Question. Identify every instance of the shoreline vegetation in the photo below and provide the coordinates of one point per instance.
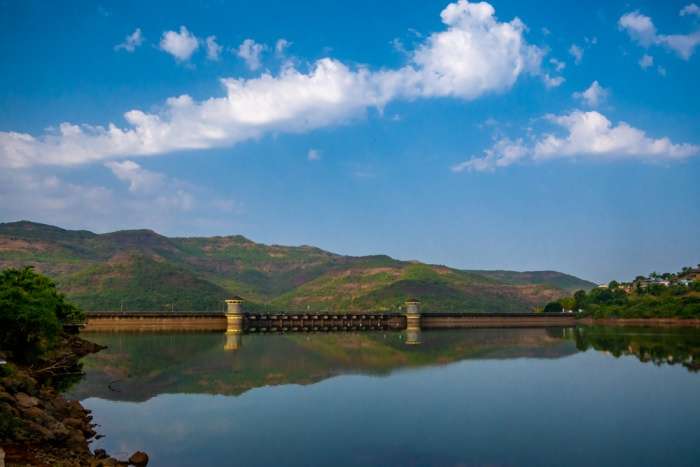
(39, 360)
(660, 297)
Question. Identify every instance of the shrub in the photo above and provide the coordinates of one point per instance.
(31, 312)
(553, 307)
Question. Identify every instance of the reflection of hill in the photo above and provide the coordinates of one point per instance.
(138, 366)
(661, 346)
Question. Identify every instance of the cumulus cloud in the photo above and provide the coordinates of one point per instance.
(641, 29)
(691, 9)
(131, 42)
(313, 155)
(250, 51)
(576, 52)
(213, 49)
(281, 46)
(474, 55)
(585, 135)
(594, 95)
(139, 179)
(180, 45)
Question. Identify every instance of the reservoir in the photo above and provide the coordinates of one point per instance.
(587, 395)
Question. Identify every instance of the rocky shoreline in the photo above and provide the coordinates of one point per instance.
(38, 426)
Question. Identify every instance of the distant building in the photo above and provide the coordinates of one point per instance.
(691, 275)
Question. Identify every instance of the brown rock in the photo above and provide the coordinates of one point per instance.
(73, 423)
(35, 412)
(25, 400)
(101, 454)
(139, 458)
(59, 431)
(5, 397)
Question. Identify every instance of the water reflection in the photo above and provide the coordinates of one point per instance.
(139, 365)
(661, 346)
(474, 397)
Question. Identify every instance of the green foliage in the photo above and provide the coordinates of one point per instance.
(31, 312)
(647, 301)
(553, 307)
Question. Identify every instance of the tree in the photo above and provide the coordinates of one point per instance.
(579, 299)
(613, 285)
(553, 307)
(32, 312)
(568, 303)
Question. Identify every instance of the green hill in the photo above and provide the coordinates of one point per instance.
(143, 270)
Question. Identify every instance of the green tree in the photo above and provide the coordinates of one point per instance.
(553, 307)
(579, 299)
(568, 303)
(32, 312)
(613, 285)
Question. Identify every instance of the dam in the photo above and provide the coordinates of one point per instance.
(235, 319)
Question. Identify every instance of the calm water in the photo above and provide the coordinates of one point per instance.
(585, 396)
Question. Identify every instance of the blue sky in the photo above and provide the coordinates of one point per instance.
(456, 134)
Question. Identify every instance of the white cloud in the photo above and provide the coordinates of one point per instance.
(641, 29)
(213, 49)
(139, 179)
(594, 96)
(552, 82)
(250, 52)
(577, 53)
(587, 135)
(397, 45)
(503, 153)
(646, 61)
(313, 155)
(691, 9)
(558, 64)
(131, 42)
(180, 45)
(281, 46)
(474, 55)
(32, 194)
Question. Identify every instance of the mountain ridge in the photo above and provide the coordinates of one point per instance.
(141, 269)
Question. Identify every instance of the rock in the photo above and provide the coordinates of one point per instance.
(101, 454)
(73, 423)
(25, 400)
(5, 397)
(59, 431)
(138, 458)
(35, 412)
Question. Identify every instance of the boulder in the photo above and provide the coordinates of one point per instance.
(138, 459)
(101, 454)
(25, 400)
(73, 423)
(35, 413)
